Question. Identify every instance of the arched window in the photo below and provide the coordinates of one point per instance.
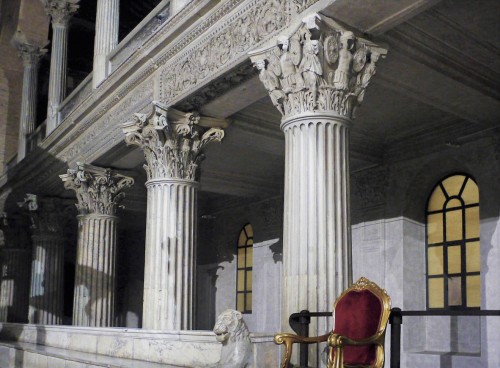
(453, 256)
(245, 265)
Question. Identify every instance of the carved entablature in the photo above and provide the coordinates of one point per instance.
(236, 35)
(98, 190)
(319, 67)
(60, 10)
(173, 142)
(46, 214)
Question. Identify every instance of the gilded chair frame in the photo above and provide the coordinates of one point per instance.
(337, 342)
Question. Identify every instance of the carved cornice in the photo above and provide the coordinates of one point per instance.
(173, 148)
(217, 88)
(60, 11)
(320, 67)
(98, 190)
(46, 214)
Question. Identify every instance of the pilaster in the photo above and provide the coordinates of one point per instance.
(99, 192)
(30, 54)
(316, 76)
(47, 269)
(60, 12)
(173, 146)
(106, 37)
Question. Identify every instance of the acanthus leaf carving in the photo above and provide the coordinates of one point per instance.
(60, 10)
(98, 190)
(320, 67)
(173, 146)
(46, 214)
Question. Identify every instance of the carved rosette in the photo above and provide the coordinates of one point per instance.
(60, 10)
(173, 148)
(46, 214)
(320, 67)
(98, 190)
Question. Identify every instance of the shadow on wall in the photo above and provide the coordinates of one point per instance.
(16, 269)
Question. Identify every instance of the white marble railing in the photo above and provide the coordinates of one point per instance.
(142, 32)
(76, 97)
(183, 348)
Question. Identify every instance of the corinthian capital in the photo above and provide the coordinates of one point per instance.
(46, 214)
(173, 142)
(320, 67)
(29, 53)
(60, 11)
(98, 190)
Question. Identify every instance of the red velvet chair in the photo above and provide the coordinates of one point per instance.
(361, 314)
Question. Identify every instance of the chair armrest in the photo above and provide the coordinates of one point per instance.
(335, 340)
(289, 339)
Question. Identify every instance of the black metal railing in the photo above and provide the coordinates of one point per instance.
(299, 322)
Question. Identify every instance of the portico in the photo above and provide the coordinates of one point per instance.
(277, 150)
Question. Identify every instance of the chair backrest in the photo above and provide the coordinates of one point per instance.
(362, 312)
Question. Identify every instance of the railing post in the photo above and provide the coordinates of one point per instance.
(396, 320)
(304, 321)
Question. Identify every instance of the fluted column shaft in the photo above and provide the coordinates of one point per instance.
(57, 78)
(171, 230)
(106, 37)
(316, 238)
(99, 192)
(15, 283)
(47, 275)
(95, 279)
(28, 105)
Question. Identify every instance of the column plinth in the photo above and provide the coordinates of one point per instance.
(316, 76)
(106, 37)
(173, 147)
(60, 12)
(99, 191)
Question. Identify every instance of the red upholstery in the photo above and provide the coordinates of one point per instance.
(357, 316)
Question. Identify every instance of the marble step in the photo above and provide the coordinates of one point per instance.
(26, 355)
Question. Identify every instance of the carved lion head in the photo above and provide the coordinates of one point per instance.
(230, 326)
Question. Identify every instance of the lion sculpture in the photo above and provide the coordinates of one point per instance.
(232, 332)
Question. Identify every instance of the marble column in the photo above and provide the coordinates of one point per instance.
(30, 54)
(173, 146)
(15, 258)
(47, 266)
(60, 12)
(106, 37)
(316, 77)
(99, 192)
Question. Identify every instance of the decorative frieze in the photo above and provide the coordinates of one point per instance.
(238, 34)
(320, 67)
(173, 146)
(98, 190)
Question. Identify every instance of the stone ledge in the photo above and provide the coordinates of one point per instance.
(16, 354)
